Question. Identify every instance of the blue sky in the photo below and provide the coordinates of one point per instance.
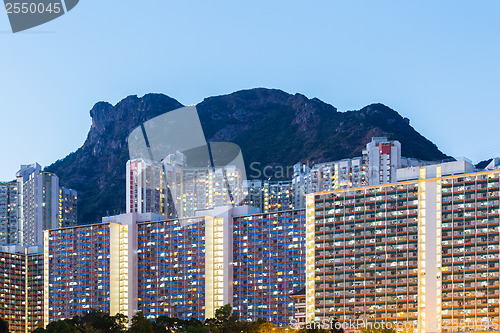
(435, 62)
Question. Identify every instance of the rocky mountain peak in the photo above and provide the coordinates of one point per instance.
(271, 126)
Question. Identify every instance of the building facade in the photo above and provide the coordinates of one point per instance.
(382, 158)
(68, 207)
(207, 188)
(171, 268)
(268, 196)
(9, 227)
(378, 164)
(38, 202)
(470, 257)
(133, 262)
(268, 265)
(35, 288)
(422, 253)
(79, 270)
(145, 187)
(184, 268)
(21, 287)
(92, 267)
(32, 203)
(174, 190)
(365, 256)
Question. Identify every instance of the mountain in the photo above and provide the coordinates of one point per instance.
(272, 128)
(97, 169)
(483, 164)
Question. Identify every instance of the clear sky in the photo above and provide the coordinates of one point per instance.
(435, 62)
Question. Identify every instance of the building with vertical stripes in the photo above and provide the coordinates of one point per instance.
(21, 287)
(68, 207)
(268, 264)
(171, 267)
(90, 266)
(184, 268)
(422, 252)
(9, 228)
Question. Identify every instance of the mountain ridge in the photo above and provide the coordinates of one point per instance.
(272, 127)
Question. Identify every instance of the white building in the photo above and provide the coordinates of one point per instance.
(8, 213)
(447, 169)
(145, 187)
(378, 165)
(301, 174)
(174, 190)
(382, 159)
(38, 203)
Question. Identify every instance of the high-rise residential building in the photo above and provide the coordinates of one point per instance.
(90, 266)
(123, 265)
(268, 265)
(9, 229)
(145, 187)
(68, 207)
(278, 196)
(35, 287)
(21, 287)
(268, 195)
(171, 267)
(365, 258)
(378, 165)
(322, 177)
(300, 184)
(206, 188)
(184, 267)
(174, 190)
(253, 193)
(382, 159)
(38, 203)
(33, 203)
(173, 166)
(346, 173)
(81, 267)
(422, 252)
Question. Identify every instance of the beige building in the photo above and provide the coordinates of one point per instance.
(422, 252)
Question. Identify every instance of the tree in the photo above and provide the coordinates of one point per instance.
(61, 326)
(101, 322)
(332, 326)
(93, 321)
(225, 320)
(168, 324)
(260, 326)
(196, 329)
(141, 324)
(4, 326)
